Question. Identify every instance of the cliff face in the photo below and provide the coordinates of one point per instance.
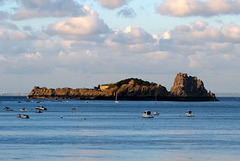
(190, 87)
(185, 88)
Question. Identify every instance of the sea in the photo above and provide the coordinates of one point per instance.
(109, 131)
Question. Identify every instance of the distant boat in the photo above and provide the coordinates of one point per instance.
(156, 112)
(41, 108)
(116, 101)
(147, 114)
(8, 109)
(38, 111)
(23, 116)
(189, 114)
(23, 109)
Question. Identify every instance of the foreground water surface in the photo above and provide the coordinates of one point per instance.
(105, 130)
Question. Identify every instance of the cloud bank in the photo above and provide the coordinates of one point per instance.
(39, 8)
(182, 8)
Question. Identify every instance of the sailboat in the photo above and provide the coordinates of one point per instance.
(156, 112)
(116, 101)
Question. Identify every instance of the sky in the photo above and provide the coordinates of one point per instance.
(84, 43)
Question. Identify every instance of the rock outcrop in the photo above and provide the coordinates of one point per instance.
(190, 88)
(185, 88)
(128, 89)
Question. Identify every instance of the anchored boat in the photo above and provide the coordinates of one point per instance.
(147, 114)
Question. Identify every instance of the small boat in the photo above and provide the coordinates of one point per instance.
(8, 109)
(23, 109)
(156, 113)
(189, 114)
(38, 111)
(24, 116)
(116, 101)
(41, 108)
(147, 114)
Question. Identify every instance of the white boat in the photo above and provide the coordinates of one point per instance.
(41, 108)
(147, 114)
(156, 113)
(23, 116)
(189, 114)
(116, 101)
(38, 111)
(23, 109)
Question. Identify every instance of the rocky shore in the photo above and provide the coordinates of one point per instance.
(185, 88)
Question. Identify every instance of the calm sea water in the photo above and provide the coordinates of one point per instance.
(104, 131)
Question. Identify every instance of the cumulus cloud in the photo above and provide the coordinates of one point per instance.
(231, 32)
(181, 8)
(127, 12)
(47, 8)
(112, 4)
(14, 35)
(79, 27)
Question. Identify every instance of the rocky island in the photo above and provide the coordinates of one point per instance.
(185, 88)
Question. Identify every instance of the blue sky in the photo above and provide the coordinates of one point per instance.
(83, 43)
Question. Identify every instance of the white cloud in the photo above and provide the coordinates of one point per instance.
(181, 8)
(137, 35)
(76, 27)
(112, 4)
(14, 35)
(231, 32)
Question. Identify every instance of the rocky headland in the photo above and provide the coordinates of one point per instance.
(185, 88)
